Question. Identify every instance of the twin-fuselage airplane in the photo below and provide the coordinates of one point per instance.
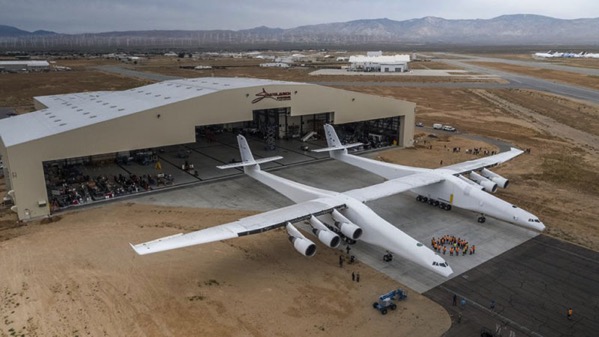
(331, 215)
(447, 186)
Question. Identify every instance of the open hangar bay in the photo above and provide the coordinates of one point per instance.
(52, 164)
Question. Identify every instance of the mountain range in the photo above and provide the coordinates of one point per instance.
(520, 29)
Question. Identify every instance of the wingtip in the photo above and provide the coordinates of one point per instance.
(134, 248)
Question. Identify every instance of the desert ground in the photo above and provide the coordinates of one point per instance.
(77, 276)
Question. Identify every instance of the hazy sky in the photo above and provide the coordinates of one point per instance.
(82, 16)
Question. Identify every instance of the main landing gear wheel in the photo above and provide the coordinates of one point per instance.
(482, 219)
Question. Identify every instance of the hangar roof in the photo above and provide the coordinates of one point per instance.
(398, 58)
(25, 63)
(73, 111)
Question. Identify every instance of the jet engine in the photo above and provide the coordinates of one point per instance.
(494, 177)
(346, 227)
(325, 236)
(487, 184)
(300, 243)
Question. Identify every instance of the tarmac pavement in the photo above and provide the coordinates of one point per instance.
(533, 285)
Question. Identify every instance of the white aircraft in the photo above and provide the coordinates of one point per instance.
(549, 54)
(446, 186)
(352, 219)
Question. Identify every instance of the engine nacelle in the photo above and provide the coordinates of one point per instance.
(325, 236)
(300, 243)
(350, 230)
(346, 227)
(496, 178)
(487, 184)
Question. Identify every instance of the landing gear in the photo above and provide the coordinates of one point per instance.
(388, 258)
(445, 206)
(434, 202)
(482, 219)
(422, 199)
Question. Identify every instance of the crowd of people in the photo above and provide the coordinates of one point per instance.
(456, 245)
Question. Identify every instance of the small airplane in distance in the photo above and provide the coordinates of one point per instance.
(549, 54)
(445, 187)
(331, 215)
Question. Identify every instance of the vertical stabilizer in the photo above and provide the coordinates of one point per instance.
(333, 143)
(247, 158)
(244, 150)
(332, 138)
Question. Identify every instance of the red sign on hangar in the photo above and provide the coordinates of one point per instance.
(277, 96)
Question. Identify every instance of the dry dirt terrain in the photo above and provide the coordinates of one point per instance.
(78, 276)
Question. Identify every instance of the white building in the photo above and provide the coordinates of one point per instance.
(14, 66)
(385, 64)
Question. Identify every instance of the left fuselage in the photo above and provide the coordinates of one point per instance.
(376, 230)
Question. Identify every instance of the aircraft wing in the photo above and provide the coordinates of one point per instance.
(485, 162)
(394, 186)
(246, 226)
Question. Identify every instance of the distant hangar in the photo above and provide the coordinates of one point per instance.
(167, 113)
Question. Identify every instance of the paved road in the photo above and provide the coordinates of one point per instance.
(523, 81)
(524, 63)
(533, 285)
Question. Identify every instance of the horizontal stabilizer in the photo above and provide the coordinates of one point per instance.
(249, 163)
(348, 146)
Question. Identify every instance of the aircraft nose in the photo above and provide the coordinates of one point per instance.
(540, 226)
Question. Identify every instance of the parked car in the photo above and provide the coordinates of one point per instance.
(419, 124)
(438, 126)
(449, 128)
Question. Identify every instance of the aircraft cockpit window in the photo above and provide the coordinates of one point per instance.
(443, 264)
(514, 206)
(419, 244)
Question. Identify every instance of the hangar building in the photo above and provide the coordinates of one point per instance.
(376, 62)
(16, 66)
(167, 113)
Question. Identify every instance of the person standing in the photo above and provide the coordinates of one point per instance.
(340, 261)
(455, 300)
(353, 276)
(570, 312)
(358, 277)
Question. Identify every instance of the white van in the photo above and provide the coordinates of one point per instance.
(438, 126)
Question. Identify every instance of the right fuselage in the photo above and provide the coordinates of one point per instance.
(458, 193)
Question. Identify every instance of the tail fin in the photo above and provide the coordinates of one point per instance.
(333, 141)
(247, 158)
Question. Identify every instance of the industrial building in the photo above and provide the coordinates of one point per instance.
(96, 127)
(376, 62)
(18, 66)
